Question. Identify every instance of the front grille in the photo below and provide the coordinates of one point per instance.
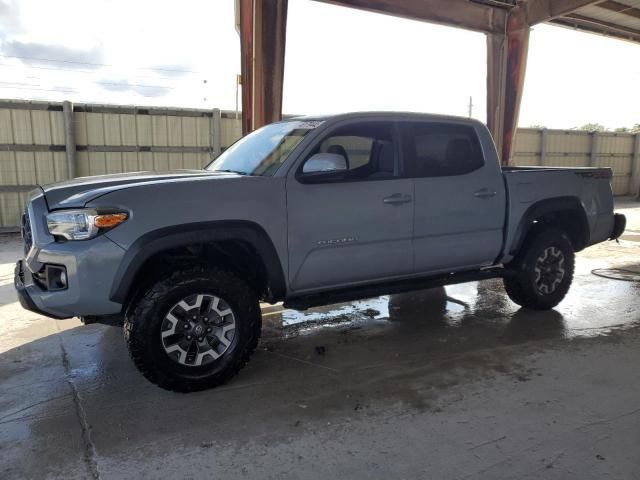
(27, 238)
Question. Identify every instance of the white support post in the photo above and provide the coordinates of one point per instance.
(635, 168)
(69, 138)
(216, 133)
(543, 147)
(593, 159)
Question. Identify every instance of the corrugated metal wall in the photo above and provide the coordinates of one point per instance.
(112, 139)
(109, 139)
(110, 129)
(21, 169)
(571, 148)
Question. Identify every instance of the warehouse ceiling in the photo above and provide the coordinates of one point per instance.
(506, 23)
(619, 19)
(614, 18)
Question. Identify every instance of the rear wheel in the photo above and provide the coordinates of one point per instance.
(541, 275)
(194, 329)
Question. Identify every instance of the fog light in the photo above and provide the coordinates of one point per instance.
(56, 277)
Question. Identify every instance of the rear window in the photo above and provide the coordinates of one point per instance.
(441, 150)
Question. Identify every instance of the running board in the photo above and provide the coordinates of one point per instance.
(358, 293)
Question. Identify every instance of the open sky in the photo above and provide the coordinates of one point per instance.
(186, 54)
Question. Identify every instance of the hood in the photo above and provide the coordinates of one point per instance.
(78, 191)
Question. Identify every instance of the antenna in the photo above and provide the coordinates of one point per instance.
(470, 107)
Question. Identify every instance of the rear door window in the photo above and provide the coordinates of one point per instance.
(441, 149)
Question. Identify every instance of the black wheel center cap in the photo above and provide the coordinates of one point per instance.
(198, 330)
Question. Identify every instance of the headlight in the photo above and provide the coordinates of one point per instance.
(81, 224)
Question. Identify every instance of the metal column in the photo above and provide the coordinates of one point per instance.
(506, 66)
(263, 25)
(246, 54)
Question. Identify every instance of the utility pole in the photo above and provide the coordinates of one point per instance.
(470, 107)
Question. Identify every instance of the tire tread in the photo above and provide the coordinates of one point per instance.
(516, 283)
(136, 329)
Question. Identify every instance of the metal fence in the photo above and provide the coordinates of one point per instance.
(572, 148)
(45, 142)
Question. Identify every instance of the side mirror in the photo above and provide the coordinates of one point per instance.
(325, 163)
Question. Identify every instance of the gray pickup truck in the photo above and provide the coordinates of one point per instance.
(308, 211)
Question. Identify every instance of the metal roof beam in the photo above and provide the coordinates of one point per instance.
(598, 26)
(537, 11)
(620, 8)
(453, 13)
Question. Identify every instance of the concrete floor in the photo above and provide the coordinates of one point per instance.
(453, 383)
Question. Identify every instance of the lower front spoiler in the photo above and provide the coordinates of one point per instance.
(619, 224)
(23, 294)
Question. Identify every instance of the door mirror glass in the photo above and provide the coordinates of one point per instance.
(325, 163)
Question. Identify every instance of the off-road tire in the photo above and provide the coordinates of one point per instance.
(520, 275)
(144, 319)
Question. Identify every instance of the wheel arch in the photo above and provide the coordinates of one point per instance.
(565, 213)
(153, 243)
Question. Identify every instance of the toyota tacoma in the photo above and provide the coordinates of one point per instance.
(306, 211)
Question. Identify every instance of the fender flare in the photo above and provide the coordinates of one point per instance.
(175, 236)
(546, 207)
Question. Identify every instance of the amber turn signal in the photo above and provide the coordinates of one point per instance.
(109, 220)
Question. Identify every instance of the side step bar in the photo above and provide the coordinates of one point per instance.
(368, 291)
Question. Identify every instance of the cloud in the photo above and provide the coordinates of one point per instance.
(43, 54)
(125, 86)
(9, 18)
(172, 70)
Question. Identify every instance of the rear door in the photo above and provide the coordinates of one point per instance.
(355, 227)
(459, 197)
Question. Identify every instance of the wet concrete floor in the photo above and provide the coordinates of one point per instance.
(453, 382)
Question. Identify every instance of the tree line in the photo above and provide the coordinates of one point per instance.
(596, 127)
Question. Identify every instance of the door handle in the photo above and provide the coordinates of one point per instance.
(484, 193)
(396, 199)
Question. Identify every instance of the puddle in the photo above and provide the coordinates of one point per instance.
(374, 308)
(90, 372)
(594, 307)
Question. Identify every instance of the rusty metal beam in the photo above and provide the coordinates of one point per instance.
(246, 62)
(453, 13)
(496, 59)
(537, 11)
(263, 26)
(270, 31)
(506, 67)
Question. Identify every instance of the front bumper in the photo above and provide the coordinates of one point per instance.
(19, 276)
(90, 268)
(619, 224)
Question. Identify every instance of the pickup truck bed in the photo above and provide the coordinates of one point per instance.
(533, 191)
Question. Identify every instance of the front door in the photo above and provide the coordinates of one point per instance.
(354, 226)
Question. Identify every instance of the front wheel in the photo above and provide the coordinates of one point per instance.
(193, 329)
(541, 275)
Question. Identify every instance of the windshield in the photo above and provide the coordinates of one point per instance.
(263, 151)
